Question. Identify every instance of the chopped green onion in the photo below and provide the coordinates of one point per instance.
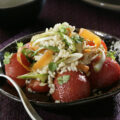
(7, 57)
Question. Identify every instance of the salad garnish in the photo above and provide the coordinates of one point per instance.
(63, 79)
(19, 44)
(7, 57)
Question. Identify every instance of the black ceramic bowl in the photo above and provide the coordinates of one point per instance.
(19, 12)
(43, 100)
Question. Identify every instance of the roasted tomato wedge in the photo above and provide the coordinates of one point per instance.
(109, 74)
(75, 88)
(14, 69)
(37, 86)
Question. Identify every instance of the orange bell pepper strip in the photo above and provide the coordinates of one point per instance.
(45, 59)
(89, 36)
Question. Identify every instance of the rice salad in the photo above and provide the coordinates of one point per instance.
(70, 52)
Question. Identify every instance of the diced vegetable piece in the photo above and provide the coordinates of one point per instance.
(42, 77)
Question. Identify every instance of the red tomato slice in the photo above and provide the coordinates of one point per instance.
(75, 88)
(14, 69)
(107, 76)
(34, 85)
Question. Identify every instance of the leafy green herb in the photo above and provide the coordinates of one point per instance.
(19, 44)
(7, 57)
(53, 48)
(63, 79)
(111, 54)
(52, 66)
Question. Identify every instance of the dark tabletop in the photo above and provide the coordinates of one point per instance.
(78, 14)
